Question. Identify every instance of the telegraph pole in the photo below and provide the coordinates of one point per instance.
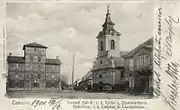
(73, 70)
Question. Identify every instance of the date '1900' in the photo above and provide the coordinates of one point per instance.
(54, 103)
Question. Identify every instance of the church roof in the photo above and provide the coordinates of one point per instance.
(147, 44)
(108, 20)
(34, 44)
(113, 62)
(122, 53)
(53, 61)
(118, 61)
(15, 59)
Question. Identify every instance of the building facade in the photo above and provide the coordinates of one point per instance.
(33, 70)
(139, 67)
(108, 68)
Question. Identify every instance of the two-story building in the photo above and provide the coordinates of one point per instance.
(33, 70)
(138, 67)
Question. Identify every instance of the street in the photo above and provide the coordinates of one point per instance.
(73, 95)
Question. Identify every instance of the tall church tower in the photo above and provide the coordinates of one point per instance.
(109, 64)
(108, 39)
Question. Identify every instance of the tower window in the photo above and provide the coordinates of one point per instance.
(39, 59)
(100, 76)
(112, 44)
(101, 61)
(101, 46)
(39, 76)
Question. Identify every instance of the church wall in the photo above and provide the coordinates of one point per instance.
(117, 77)
(106, 77)
(104, 61)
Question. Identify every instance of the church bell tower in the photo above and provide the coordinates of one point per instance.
(108, 38)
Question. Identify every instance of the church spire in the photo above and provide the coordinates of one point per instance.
(108, 24)
(108, 9)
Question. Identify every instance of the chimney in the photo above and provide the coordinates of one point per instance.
(57, 57)
(10, 54)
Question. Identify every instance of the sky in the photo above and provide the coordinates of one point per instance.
(67, 28)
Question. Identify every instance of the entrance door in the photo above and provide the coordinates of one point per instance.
(143, 84)
(35, 84)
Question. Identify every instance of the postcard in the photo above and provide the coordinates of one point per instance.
(96, 55)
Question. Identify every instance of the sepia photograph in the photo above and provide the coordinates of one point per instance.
(79, 50)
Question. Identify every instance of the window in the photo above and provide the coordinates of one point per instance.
(16, 75)
(101, 61)
(52, 76)
(16, 84)
(112, 44)
(53, 67)
(131, 64)
(138, 83)
(100, 76)
(39, 59)
(17, 65)
(31, 58)
(39, 67)
(39, 76)
(122, 74)
(143, 60)
(34, 49)
(31, 67)
(138, 61)
(101, 46)
(148, 59)
(31, 76)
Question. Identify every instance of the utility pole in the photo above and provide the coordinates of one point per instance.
(73, 70)
(4, 49)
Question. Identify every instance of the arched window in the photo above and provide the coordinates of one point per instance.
(101, 61)
(112, 44)
(101, 45)
(39, 59)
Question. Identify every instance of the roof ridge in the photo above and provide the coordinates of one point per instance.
(139, 46)
(34, 44)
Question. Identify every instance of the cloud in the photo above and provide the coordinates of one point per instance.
(73, 27)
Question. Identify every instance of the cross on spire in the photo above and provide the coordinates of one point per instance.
(108, 24)
(108, 8)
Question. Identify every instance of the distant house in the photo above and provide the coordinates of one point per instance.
(87, 81)
(139, 66)
(33, 70)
